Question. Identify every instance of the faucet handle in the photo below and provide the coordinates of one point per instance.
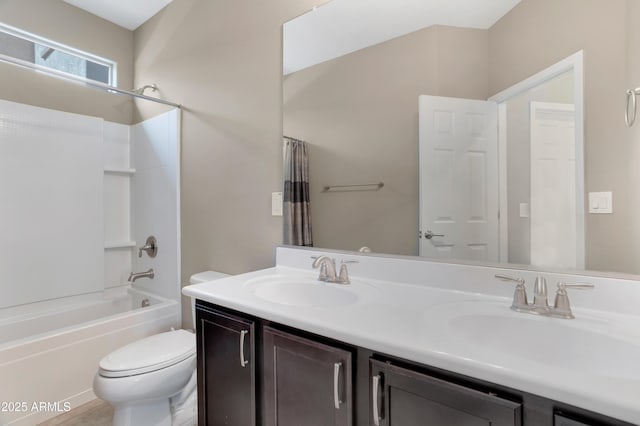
(150, 247)
(520, 301)
(520, 281)
(343, 277)
(561, 306)
(577, 286)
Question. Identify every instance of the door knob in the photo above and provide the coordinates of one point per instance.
(428, 234)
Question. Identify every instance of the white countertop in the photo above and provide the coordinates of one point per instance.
(588, 362)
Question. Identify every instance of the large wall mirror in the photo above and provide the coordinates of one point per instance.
(361, 80)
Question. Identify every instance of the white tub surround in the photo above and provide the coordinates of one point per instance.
(86, 193)
(80, 195)
(141, 199)
(458, 318)
(51, 219)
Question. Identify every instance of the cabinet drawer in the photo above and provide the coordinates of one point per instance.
(399, 396)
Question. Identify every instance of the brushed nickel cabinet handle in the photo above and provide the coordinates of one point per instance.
(376, 411)
(630, 118)
(336, 380)
(243, 362)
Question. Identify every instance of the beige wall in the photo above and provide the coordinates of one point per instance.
(66, 24)
(359, 113)
(222, 60)
(529, 39)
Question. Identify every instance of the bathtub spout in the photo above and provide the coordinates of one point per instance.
(135, 275)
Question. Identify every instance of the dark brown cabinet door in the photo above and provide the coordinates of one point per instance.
(402, 397)
(226, 370)
(306, 383)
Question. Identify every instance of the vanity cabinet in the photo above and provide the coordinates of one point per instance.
(400, 396)
(226, 369)
(252, 372)
(305, 382)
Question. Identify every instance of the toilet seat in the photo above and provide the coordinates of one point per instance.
(149, 354)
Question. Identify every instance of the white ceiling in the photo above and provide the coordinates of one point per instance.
(126, 13)
(337, 27)
(344, 26)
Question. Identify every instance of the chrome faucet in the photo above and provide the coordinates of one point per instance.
(135, 275)
(327, 267)
(540, 306)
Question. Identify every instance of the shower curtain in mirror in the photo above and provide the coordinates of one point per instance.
(296, 210)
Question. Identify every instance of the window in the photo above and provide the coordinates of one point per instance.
(48, 54)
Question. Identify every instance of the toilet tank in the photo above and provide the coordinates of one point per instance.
(202, 277)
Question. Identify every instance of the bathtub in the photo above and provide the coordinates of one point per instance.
(49, 351)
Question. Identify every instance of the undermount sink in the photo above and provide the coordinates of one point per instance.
(586, 346)
(307, 292)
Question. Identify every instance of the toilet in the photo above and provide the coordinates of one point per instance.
(153, 381)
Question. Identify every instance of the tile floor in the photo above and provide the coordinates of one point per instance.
(93, 413)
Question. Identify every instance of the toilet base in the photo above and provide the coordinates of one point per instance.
(158, 413)
(147, 413)
(187, 413)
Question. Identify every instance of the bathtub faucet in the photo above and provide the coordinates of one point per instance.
(135, 275)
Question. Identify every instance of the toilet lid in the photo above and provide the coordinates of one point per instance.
(149, 354)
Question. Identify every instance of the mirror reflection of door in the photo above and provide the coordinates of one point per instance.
(528, 143)
(553, 185)
(543, 210)
(458, 143)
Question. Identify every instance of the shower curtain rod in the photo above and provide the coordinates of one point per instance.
(75, 79)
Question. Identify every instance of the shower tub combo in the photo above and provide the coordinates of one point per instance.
(85, 193)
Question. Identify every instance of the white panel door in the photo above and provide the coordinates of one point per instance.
(553, 186)
(458, 140)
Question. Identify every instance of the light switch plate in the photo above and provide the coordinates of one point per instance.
(524, 210)
(601, 202)
(276, 204)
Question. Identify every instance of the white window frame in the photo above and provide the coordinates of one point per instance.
(111, 65)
